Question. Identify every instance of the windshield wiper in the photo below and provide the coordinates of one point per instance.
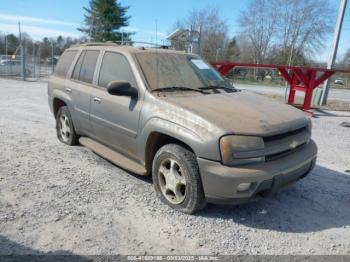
(217, 87)
(176, 88)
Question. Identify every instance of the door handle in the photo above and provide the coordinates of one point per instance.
(98, 100)
(68, 90)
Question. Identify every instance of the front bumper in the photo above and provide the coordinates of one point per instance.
(220, 182)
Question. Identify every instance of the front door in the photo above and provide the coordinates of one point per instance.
(115, 119)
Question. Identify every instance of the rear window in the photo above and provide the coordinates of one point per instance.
(65, 62)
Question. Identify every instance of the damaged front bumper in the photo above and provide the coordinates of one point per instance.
(221, 183)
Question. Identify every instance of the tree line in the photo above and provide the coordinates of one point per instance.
(45, 48)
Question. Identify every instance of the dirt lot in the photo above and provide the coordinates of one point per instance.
(55, 198)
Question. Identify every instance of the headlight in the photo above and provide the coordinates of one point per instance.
(231, 146)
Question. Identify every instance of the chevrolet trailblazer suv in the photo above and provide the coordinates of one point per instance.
(171, 115)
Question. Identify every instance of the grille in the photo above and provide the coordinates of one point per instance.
(284, 144)
(284, 153)
(285, 135)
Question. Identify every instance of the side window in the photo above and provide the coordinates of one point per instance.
(65, 62)
(85, 67)
(77, 67)
(115, 67)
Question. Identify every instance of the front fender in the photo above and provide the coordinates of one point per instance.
(206, 148)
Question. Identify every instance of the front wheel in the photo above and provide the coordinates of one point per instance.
(177, 179)
(65, 128)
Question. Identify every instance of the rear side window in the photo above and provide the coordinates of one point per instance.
(65, 62)
(85, 67)
(115, 67)
(77, 67)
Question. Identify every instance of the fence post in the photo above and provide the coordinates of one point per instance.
(23, 51)
(39, 55)
(33, 59)
(52, 54)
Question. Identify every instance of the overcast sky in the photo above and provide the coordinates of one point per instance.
(51, 18)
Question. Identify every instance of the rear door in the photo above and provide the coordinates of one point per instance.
(82, 88)
(60, 78)
(115, 119)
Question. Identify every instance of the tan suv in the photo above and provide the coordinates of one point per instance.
(170, 114)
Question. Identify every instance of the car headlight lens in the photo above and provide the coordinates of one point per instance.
(232, 145)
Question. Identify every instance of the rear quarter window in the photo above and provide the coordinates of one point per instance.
(65, 62)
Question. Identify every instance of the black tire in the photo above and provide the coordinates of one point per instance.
(194, 199)
(71, 138)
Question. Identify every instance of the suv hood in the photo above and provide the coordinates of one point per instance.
(242, 112)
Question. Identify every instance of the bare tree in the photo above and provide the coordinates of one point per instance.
(301, 28)
(285, 32)
(214, 30)
(258, 23)
(345, 61)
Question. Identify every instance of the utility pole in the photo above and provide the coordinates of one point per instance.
(334, 49)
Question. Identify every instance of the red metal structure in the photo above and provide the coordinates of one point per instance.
(304, 79)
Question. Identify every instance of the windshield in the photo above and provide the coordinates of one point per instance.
(166, 70)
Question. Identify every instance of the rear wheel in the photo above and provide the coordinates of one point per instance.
(65, 128)
(177, 179)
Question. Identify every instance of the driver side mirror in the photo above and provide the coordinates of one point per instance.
(118, 88)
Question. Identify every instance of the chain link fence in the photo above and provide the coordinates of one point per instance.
(31, 66)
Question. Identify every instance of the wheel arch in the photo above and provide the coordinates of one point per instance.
(155, 141)
(59, 98)
(57, 103)
(159, 132)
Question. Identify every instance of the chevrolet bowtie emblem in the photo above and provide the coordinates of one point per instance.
(293, 144)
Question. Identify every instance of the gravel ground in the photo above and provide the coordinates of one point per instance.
(56, 198)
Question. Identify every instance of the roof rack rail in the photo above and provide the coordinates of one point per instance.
(96, 43)
(122, 43)
(138, 42)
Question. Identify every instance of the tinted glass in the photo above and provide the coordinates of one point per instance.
(65, 62)
(115, 67)
(77, 67)
(88, 67)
